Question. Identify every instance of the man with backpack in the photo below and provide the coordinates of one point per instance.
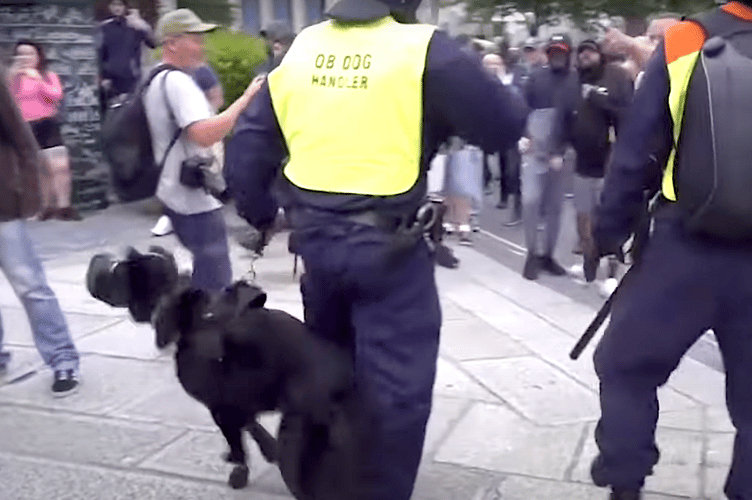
(696, 271)
(183, 129)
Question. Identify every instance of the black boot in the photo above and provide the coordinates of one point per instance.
(625, 495)
(515, 218)
(532, 267)
(503, 202)
(548, 264)
(445, 257)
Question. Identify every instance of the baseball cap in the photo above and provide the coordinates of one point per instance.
(181, 21)
(560, 42)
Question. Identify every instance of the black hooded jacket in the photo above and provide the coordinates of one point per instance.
(592, 117)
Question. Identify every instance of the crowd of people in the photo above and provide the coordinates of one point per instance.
(578, 96)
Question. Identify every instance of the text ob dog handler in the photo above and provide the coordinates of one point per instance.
(354, 62)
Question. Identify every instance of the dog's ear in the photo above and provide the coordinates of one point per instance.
(249, 297)
(175, 315)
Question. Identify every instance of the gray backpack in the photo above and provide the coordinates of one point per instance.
(714, 179)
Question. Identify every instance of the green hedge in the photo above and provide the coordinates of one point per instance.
(234, 56)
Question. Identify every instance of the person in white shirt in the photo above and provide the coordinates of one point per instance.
(174, 101)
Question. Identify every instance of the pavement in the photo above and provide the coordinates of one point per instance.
(513, 416)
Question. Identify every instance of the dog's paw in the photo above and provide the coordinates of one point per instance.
(238, 477)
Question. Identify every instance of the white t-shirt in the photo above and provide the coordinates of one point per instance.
(189, 105)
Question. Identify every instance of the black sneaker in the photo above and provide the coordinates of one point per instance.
(65, 384)
(549, 265)
(532, 267)
(445, 257)
(625, 495)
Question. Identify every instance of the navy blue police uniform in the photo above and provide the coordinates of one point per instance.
(686, 283)
(388, 315)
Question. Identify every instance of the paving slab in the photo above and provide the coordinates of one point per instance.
(527, 488)
(677, 473)
(450, 311)
(505, 281)
(720, 449)
(80, 439)
(445, 414)
(451, 482)
(571, 316)
(107, 383)
(453, 382)
(23, 361)
(198, 454)
(686, 420)
(493, 437)
(169, 404)
(699, 382)
(473, 338)
(125, 338)
(18, 332)
(29, 479)
(715, 481)
(539, 391)
(717, 419)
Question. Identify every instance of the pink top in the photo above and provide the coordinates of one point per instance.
(37, 98)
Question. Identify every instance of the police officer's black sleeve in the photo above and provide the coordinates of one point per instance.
(459, 93)
(646, 131)
(253, 157)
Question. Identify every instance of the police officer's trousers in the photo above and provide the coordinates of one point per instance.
(686, 285)
(389, 316)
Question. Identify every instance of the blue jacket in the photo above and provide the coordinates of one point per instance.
(459, 98)
(639, 156)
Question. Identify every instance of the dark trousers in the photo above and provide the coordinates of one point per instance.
(509, 164)
(389, 317)
(205, 236)
(684, 287)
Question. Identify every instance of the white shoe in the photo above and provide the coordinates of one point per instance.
(608, 287)
(163, 227)
(577, 271)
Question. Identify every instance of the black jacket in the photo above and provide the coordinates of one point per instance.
(120, 53)
(589, 122)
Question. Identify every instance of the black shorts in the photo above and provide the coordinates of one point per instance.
(47, 132)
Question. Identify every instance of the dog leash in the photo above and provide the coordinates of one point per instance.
(250, 275)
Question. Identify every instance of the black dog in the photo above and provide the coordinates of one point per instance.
(241, 359)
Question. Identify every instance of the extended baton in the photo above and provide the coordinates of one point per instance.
(595, 325)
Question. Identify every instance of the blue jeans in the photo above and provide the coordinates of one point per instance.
(205, 236)
(22, 267)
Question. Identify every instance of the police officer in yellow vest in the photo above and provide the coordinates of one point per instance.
(358, 108)
(696, 271)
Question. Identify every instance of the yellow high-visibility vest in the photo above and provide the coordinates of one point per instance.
(349, 102)
(683, 43)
